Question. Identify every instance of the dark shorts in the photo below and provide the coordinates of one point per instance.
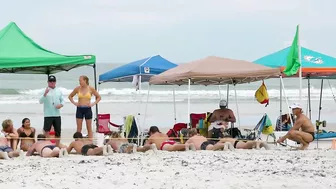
(5, 149)
(84, 112)
(55, 122)
(47, 146)
(312, 134)
(86, 148)
(207, 143)
(236, 142)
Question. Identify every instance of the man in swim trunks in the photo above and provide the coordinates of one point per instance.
(202, 143)
(45, 148)
(243, 144)
(85, 147)
(303, 130)
(220, 118)
(161, 141)
(6, 152)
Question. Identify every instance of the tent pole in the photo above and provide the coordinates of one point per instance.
(138, 117)
(283, 88)
(188, 117)
(95, 85)
(280, 98)
(144, 122)
(309, 100)
(174, 105)
(219, 91)
(227, 95)
(320, 105)
(234, 86)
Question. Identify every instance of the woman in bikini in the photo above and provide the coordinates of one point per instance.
(26, 134)
(84, 93)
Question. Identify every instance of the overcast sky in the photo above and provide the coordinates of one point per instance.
(120, 31)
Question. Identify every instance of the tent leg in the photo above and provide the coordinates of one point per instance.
(227, 95)
(283, 88)
(309, 100)
(219, 92)
(188, 117)
(95, 85)
(174, 105)
(144, 122)
(280, 98)
(234, 86)
(320, 105)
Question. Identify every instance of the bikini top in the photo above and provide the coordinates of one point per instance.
(87, 95)
(31, 135)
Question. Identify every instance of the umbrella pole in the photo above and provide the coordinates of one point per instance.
(219, 91)
(188, 117)
(96, 88)
(174, 105)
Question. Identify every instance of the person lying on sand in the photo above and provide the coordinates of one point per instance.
(241, 144)
(86, 147)
(121, 145)
(45, 148)
(6, 152)
(161, 141)
(202, 143)
(303, 130)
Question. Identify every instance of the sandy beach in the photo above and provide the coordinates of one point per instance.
(276, 168)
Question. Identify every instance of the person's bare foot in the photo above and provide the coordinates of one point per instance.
(129, 149)
(264, 145)
(303, 147)
(109, 149)
(154, 148)
(105, 153)
(4, 155)
(135, 148)
(192, 147)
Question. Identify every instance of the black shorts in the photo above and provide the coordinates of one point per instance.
(207, 143)
(236, 142)
(55, 122)
(84, 112)
(86, 148)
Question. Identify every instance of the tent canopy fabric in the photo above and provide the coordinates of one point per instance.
(146, 67)
(215, 71)
(313, 63)
(20, 54)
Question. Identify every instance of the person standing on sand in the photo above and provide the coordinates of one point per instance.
(84, 92)
(52, 100)
(303, 130)
(158, 140)
(86, 148)
(26, 134)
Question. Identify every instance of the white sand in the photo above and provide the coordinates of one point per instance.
(276, 168)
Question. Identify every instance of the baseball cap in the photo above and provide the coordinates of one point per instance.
(51, 78)
(222, 103)
(295, 105)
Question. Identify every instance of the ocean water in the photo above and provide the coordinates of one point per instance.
(19, 96)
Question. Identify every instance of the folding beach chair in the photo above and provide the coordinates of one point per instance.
(104, 124)
(264, 126)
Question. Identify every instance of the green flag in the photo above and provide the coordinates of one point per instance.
(293, 58)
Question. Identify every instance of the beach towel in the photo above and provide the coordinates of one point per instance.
(262, 95)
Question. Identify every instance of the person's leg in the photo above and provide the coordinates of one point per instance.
(217, 146)
(57, 122)
(55, 152)
(14, 143)
(79, 119)
(48, 121)
(175, 147)
(301, 137)
(4, 155)
(261, 144)
(143, 148)
(88, 120)
(247, 145)
(15, 153)
(95, 151)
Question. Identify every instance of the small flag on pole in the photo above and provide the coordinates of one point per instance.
(293, 57)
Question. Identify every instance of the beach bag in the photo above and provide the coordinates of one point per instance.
(262, 95)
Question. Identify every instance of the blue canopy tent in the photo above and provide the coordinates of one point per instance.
(314, 65)
(145, 68)
(138, 71)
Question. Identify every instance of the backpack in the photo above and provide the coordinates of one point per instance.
(262, 95)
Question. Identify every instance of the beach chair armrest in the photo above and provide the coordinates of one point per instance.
(114, 125)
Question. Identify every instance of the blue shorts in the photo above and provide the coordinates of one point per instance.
(84, 112)
(5, 149)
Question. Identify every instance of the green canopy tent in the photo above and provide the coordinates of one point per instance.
(21, 55)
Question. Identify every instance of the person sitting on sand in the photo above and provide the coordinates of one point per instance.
(8, 129)
(303, 129)
(158, 140)
(26, 134)
(6, 152)
(121, 145)
(202, 143)
(283, 123)
(220, 118)
(45, 148)
(86, 147)
(243, 144)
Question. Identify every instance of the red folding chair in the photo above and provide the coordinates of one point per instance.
(194, 119)
(104, 124)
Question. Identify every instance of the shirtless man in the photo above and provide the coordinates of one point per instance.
(161, 141)
(85, 147)
(6, 152)
(241, 144)
(13, 136)
(202, 143)
(121, 145)
(303, 130)
(45, 148)
(220, 118)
